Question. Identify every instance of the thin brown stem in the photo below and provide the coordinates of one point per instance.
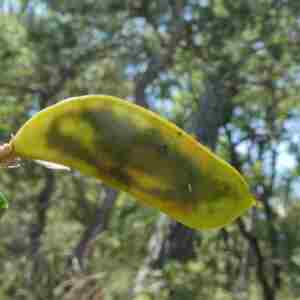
(8, 157)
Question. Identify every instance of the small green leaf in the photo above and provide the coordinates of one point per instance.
(3, 204)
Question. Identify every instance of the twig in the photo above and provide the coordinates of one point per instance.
(8, 157)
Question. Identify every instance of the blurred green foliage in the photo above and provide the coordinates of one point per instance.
(167, 51)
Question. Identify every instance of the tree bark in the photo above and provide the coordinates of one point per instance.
(178, 242)
(268, 272)
(99, 224)
(38, 227)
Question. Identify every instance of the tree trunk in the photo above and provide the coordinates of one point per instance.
(178, 242)
(99, 224)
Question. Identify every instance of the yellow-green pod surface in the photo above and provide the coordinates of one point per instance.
(135, 150)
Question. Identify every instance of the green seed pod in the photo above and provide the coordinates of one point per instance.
(137, 151)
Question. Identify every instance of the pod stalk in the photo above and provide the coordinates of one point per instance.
(8, 157)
